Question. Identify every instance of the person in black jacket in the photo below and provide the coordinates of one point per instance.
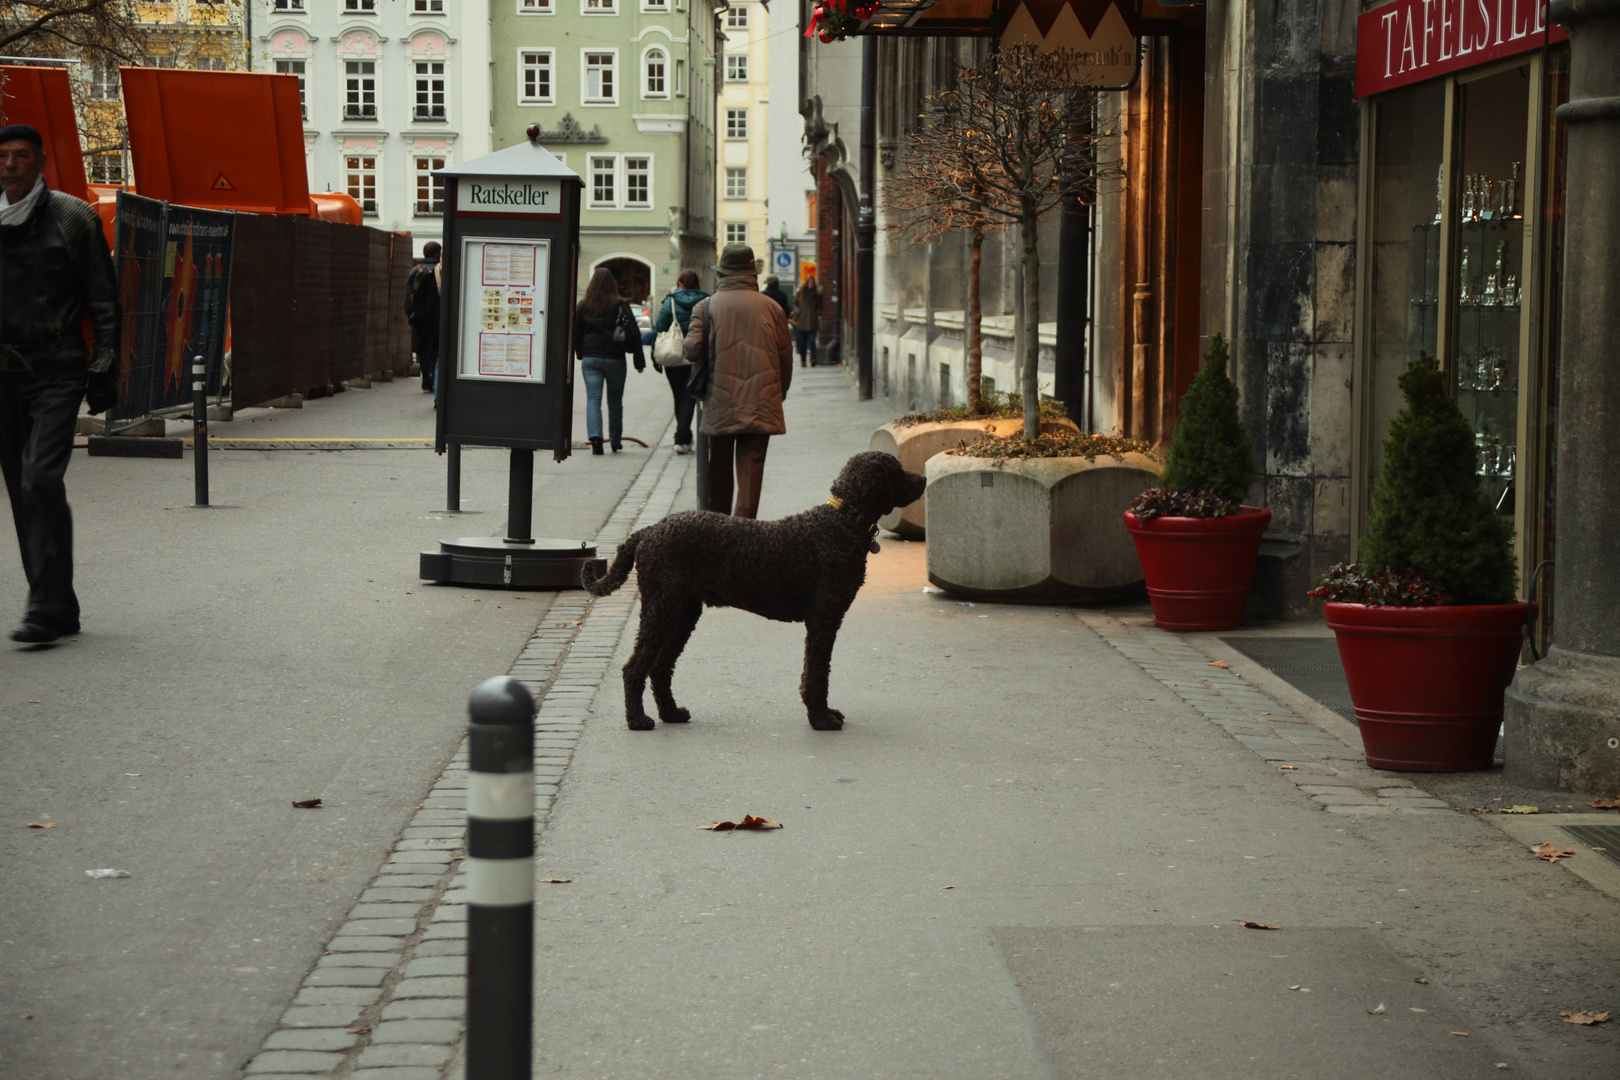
(604, 330)
(55, 273)
(422, 312)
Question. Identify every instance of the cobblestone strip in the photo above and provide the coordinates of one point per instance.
(387, 999)
(1335, 776)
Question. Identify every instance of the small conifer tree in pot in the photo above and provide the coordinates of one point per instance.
(1427, 624)
(1198, 543)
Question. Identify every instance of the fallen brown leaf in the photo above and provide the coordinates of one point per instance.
(1546, 851)
(947, 886)
(1483, 809)
(555, 880)
(1219, 663)
(1606, 804)
(749, 821)
(306, 804)
(1464, 1034)
(363, 1029)
(1421, 980)
(1260, 925)
(39, 825)
(1587, 1018)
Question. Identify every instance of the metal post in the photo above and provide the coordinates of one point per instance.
(500, 881)
(199, 426)
(866, 224)
(520, 498)
(453, 477)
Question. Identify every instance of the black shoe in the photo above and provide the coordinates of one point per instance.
(34, 633)
(596, 446)
(617, 447)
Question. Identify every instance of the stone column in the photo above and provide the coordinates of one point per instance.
(1563, 714)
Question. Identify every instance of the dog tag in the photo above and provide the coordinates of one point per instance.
(873, 546)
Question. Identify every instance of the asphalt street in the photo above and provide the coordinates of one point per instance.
(233, 660)
(1029, 853)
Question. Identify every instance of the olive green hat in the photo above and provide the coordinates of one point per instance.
(735, 260)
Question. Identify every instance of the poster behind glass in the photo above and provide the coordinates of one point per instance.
(503, 297)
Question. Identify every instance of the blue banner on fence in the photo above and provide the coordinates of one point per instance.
(174, 267)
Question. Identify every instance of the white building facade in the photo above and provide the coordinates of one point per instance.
(790, 179)
(392, 90)
(742, 171)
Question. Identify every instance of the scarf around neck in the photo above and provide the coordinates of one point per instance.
(15, 213)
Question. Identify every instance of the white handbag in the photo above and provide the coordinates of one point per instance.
(669, 348)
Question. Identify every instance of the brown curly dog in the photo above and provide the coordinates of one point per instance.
(805, 568)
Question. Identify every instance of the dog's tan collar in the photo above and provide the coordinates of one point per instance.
(861, 520)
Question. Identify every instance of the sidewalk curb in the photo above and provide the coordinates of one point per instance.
(386, 1000)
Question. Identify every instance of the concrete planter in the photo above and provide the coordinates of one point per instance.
(1038, 529)
(916, 444)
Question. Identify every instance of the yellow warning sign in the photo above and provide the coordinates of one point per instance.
(223, 184)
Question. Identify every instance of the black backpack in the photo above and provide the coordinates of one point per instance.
(421, 292)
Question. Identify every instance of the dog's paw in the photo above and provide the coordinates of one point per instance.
(827, 720)
(640, 723)
(678, 716)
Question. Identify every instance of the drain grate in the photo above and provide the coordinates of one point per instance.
(1603, 838)
(1310, 664)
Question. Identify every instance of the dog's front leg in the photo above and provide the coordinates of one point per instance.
(820, 631)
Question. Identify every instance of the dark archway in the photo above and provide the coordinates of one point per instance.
(634, 276)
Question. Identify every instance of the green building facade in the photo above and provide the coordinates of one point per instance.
(624, 93)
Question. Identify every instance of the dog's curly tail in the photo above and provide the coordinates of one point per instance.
(617, 573)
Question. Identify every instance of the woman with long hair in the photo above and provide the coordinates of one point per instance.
(604, 331)
(677, 308)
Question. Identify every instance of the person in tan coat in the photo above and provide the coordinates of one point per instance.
(751, 369)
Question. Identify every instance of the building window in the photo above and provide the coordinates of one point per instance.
(657, 70)
(429, 188)
(428, 7)
(360, 5)
(737, 183)
(737, 18)
(103, 81)
(106, 167)
(295, 67)
(430, 90)
(534, 7)
(534, 78)
(289, 5)
(736, 232)
(736, 123)
(638, 181)
(361, 90)
(600, 7)
(604, 180)
(362, 178)
(601, 87)
(680, 78)
(654, 5)
(737, 68)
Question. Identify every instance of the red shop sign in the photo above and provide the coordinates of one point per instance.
(1408, 41)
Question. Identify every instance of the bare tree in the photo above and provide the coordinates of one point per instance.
(79, 29)
(920, 194)
(1001, 148)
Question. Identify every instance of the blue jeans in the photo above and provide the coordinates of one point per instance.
(806, 341)
(598, 370)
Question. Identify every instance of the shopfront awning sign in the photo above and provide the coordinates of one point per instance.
(1102, 32)
(1409, 41)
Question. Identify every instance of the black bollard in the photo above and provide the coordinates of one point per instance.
(199, 427)
(500, 881)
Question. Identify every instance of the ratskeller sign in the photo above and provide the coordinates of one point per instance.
(506, 197)
(1409, 41)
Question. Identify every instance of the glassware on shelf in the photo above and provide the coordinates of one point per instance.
(1510, 291)
(1492, 294)
(1465, 281)
(1439, 193)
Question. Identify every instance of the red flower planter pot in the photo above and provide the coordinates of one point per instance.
(1427, 682)
(1198, 570)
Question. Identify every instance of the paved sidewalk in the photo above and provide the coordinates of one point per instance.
(1029, 853)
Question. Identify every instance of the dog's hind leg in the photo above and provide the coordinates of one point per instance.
(650, 637)
(663, 671)
(819, 634)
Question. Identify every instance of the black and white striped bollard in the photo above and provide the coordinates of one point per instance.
(500, 881)
(199, 427)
